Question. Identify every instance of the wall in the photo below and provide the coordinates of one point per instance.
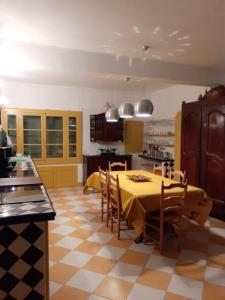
(89, 101)
(92, 101)
(168, 101)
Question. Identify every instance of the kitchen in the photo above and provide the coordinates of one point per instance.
(53, 83)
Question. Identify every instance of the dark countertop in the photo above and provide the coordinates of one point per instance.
(106, 154)
(24, 203)
(156, 159)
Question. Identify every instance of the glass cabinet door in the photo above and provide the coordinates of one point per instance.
(32, 136)
(72, 136)
(54, 137)
(12, 129)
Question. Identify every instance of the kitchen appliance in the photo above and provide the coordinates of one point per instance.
(5, 165)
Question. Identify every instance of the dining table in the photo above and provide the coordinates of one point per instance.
(139, 197)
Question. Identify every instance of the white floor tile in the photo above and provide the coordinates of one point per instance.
(94, 201)
(60, 220)
(184, 286)
(64, 230)
(76, 259)
(75, 203)
(93, 226)
(84, 217)
(69, 242)
(142, 292)
(111, 252)
(218, 231)
(190, 256)
(54, 287)
(161, 263)
(215, 276)
(100, 237)
(128, 234)
(60, 211)
(51, 263)
(93, 297)
(148, 249)
(125, 271)
(85, 280)
(79, 209)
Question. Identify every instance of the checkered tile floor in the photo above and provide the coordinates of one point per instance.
(88, 262)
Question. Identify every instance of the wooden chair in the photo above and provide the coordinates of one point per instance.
(118, 164)
(159, 170)
(170, 215)
(178, 174)
(104, 189)
(116, 210)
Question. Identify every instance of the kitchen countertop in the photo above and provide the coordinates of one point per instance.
(26, 202)
(156, 158)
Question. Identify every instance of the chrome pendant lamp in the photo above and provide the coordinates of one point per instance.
(143, 108)
(126, 111)
(112, 115)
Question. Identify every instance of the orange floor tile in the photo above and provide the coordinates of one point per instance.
(88, 262)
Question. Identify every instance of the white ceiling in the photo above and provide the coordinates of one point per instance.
(97, 43)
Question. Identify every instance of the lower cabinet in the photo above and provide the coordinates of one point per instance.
(58, 176)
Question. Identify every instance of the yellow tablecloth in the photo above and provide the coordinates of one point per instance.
(138, 197)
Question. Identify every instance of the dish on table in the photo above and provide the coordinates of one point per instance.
(139, 178)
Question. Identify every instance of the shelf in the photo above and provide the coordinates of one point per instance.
(160, 135)
(160, 145)
(169, 121)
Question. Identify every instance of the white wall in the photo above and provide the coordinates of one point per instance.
(89, 101)
(168, 101)
(92, 101)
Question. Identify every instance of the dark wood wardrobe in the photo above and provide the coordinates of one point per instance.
(203, 146)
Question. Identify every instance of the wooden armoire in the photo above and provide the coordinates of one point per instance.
(203, 146)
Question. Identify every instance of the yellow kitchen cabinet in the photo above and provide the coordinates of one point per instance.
(58, 176)
(133, 142)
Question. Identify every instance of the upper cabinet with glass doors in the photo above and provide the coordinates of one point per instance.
(48, 136)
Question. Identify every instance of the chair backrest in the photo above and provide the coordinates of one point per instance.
(159, 170)
(118, 164)
(114, 192)
(178, 174)
(103, 179)
(174, 199)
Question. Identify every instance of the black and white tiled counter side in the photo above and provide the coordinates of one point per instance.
(24, 248)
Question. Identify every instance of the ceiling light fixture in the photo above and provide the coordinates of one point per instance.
(112, 115)
(126, 111)
(143, 108)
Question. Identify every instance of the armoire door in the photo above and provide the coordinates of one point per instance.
(213, 153)
(191, 141)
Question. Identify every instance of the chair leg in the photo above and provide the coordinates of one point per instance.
(144, 234)
(102, 207)
(161, 236)
(118, 228)
(111, 218)
(107, 215)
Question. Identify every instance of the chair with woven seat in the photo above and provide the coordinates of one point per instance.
(178, 175)
(116, 210)
(170, 214)
(104, 189)
(159, 170)
(121, 165)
